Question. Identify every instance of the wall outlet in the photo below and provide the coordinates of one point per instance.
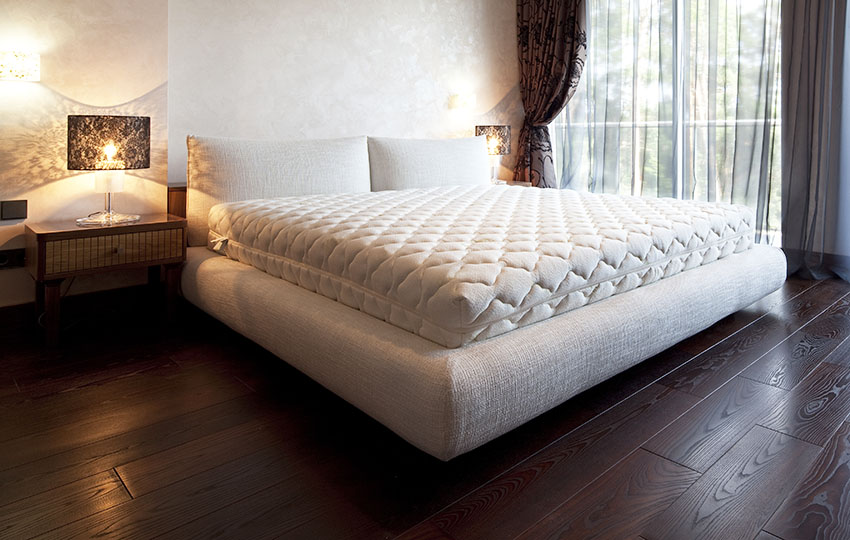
(11, 258)
(13, 209)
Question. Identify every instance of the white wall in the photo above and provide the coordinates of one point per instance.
(97, 57)
(332, 68)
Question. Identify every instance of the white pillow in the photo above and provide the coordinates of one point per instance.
(418, 163)
(226, 170)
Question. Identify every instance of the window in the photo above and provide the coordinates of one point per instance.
(679, 98)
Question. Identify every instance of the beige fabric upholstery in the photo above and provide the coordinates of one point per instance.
(423, 163)
(449, 401)
(224, 170)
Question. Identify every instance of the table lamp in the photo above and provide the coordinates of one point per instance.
(108, 145)
(498, 144)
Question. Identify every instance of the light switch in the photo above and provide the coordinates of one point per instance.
(13, 209)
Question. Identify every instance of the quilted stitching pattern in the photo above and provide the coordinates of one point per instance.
(461, 264)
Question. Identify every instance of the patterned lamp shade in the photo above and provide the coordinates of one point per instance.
(97, 143)
(498, 139)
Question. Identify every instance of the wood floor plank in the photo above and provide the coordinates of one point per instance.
(707, 431)
(46, 412)
(710, 370)
(101, 420)
(739, 493)
(840, 355)
(63, 468)
(7, 386)
(67, 378)
(298, 507)
(620, 503)
(786, 365)
(816, 408)
(168, 508)
(762, 535)
(52, 509)
(819, 506)
(791, 288)
(504, 507)
(425, 531)
(158, 470)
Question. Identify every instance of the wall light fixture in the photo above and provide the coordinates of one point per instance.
(20, 66)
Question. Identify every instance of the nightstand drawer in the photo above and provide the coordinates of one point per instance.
(80, 254)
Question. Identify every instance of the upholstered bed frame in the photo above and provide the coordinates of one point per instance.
(444, 401)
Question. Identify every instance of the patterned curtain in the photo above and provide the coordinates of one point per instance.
(552, 46)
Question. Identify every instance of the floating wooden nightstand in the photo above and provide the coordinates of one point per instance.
(58, 250)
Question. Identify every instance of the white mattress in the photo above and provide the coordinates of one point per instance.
(462, 264)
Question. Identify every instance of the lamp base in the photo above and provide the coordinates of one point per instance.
(494, 168)
(106, 219)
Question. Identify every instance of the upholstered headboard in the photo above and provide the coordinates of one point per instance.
(223, 170)
(419, 163)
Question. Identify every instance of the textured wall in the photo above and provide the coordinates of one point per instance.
(330, 68)
(97, 57)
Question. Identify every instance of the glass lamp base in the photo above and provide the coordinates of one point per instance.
(106, 219)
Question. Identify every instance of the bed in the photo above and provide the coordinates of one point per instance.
(450, 310)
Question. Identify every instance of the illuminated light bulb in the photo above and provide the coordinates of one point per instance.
(110, 150)
(493, 145)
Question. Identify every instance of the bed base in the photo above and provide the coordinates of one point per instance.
(449, 401)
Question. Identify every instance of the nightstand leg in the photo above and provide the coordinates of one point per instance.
(51, 300)
(39, 298)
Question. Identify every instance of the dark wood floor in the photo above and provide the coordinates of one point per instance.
(136, 428)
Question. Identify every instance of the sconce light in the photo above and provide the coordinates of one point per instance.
(20, 66)
(108, 145)
(462, 101)
(498, 144)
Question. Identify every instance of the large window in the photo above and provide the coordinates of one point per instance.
(679, 98)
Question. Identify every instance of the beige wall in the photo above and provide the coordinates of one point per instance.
(97, 57)
(331, 68)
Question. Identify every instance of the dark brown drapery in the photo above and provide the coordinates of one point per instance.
(552, 46)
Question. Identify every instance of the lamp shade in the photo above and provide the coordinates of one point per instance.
(20, 66)
(97, 143)
(498, 139)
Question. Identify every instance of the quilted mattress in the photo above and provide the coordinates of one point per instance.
(462, 264)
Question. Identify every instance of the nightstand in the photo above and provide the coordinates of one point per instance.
(61, 249)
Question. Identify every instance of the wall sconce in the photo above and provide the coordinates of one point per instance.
(108, 145)
(20, 66)
(462, 101)
(498, 144)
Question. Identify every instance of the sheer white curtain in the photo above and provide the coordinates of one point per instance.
(679, 98)
(816, 169)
